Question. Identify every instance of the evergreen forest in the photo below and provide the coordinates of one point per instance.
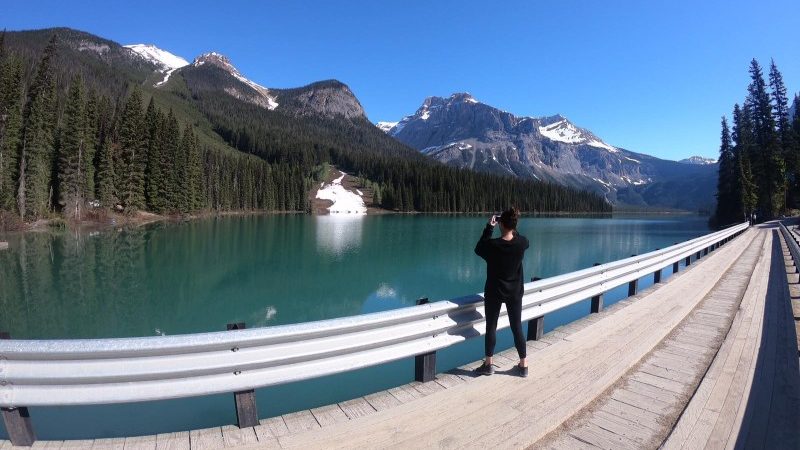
(80, 136)
(759, 156)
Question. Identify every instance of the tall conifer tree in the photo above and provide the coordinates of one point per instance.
(10, 128)
(133, 145)
(72, 153)
(36, 156)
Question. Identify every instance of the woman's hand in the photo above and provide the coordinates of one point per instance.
(493, 220)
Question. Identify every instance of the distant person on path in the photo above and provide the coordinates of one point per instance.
(504, 282)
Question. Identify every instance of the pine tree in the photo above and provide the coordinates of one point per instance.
(72, 153)
(155, 188)
(726, 203)
(104, 180)
(133, 157)
(10, 127)
(768, 163)
(169, 163)
(743, 137)
(36, 156)
(780, 110)
(91, 137)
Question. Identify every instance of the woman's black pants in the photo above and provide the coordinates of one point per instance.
(514, 308)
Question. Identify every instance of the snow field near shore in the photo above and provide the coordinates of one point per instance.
(344, 201)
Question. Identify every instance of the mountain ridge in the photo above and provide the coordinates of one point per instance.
(461, 131)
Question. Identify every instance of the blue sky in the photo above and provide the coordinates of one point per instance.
(650, 76)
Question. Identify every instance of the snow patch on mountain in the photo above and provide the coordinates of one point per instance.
(344, 201)
(698, 160)
(564, 131)
(164, 60)
(224, 63)
(386, 127)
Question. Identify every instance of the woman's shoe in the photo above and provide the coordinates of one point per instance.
(522, 372)
(485, 369)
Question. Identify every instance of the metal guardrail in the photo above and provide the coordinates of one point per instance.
(792, 242)
(121, 370)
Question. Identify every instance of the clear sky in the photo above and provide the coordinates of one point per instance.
(649, 76)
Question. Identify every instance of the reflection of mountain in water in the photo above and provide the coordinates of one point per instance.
(339, 233)
(273, 270)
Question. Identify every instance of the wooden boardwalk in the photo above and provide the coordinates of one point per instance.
(640, 410)
(630, 371)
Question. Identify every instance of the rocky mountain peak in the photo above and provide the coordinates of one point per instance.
(263, 98)
(328, 98)
(216, 59)
(698, 160)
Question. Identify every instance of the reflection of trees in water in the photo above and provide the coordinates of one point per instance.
(268, 270)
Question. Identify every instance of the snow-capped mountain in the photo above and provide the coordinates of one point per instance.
(461, 131)
(166, 62)
(699, 160)
(266, 99)
(386, 126)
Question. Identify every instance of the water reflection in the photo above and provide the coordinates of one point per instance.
(338, 234)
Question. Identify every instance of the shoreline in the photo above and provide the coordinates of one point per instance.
(143, 218)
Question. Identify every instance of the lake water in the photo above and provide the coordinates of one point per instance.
(272, 270)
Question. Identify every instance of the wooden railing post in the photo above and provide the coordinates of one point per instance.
(17, 420)
(246, 410)
(425, 364)
(633, 286)
(535, 325)
(597, 301)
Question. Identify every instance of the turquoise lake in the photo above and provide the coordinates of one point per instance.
(269, 270)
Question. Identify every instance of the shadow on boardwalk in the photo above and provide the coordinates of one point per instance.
(772, 415)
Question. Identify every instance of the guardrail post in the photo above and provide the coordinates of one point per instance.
(705, 251)
(535, 325)
(633, 286)
(425, 364)
(18, 420)
(688, 260)
(597, 301)
(246, 410)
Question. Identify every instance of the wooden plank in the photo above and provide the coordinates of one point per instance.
(405, 393)
(299, 421)
(209, 438)
(73, 444)
(274, 427)
(672, 365)
(674, 375)
(637, 414)
(359, 407)
(665, 384)
(109, 444)
(448, 380)
(329, 415)
(382, 400)
(649, 391)
(622, 427)
(233, 436)
(640, 401)
(173, 441)
(602, 438)
(426, 388)
(140, 443)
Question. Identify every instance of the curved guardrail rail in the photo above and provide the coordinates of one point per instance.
(120, 370)
(792, 242)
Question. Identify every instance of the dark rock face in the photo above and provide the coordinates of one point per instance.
(463, 132)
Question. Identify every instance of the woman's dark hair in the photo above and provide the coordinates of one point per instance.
(509, 218)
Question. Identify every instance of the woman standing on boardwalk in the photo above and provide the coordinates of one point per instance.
(504, 281)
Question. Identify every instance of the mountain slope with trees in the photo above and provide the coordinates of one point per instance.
(89, 125)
